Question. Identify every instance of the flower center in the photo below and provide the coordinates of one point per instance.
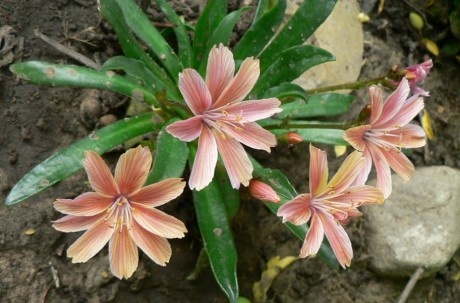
(221, 120)
(119, 214)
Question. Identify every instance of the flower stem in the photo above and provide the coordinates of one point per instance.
(350, 85)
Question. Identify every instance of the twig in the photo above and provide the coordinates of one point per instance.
(71, 53)
(410, 284)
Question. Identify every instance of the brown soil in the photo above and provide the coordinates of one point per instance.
(38, 121)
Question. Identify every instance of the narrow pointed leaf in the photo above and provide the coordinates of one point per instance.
(316, 135)
(183, 41)
(72, 75)
(222, 33)
(286, 92)
(289, 65)
(214, 225)
(320, 105)
(69, 160)
(211, 16)
(308, 17)
(231, 195)
(262, 31)
(283, 187)
(170, 157)
(143, 28)
(131, 47)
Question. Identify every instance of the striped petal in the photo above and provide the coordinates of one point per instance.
(357, 196)
(297, 211)
(253, 110)
(347, 173)
(236, 161)
(409, 110)
(318, 172)
(186, 130)
(87, 204)
(132, 169)
(159, 193)
(408, 136)
(253, 135)
(220, 70)
(76, 223)
(205, 161)
(355, 136)
(375, 93)
(314, 237)
(195, 91)
(159, 223)
(123, 254)
(241, 85)
(399, 163)
(155, 247)
(383, 170)
(394, 102)
(99, 175)
(90, 243)
(338, 238)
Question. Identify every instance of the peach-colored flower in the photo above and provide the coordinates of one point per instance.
(262, 191)
(122, 212)
(416, 75)
(221, 120)
(330, 204)
(387, 132)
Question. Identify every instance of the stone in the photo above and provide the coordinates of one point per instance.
(418, 224)
(346, 45)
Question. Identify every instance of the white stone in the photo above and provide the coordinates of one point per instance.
(342, 35)
(418, 225)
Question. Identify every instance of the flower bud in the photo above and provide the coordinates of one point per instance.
(294, 138)
(263, 191)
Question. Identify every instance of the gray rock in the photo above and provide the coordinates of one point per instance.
(418, 225)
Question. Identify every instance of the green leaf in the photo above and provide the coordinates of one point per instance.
(232, 196)
(137, 70)
(286, 191)
(211, 16)
(183, 41)
(308, 17)
(213, 221)
(316, 135)
(72, 75)
(143, 28)
(170, 157)
(320, 105)
(68, 160)
(132, 48)
(261, 31)
(289, 65)
(265, 6)
(221, 34)
(287, 91)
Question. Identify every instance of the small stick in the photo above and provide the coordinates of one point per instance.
(410, 284)
(71, 53)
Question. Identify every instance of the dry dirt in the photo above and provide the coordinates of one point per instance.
(38, 121)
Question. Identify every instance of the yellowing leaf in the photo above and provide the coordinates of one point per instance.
(431, 46)
(427, 125)
(416, 21)
(362, 17)
(29, 232)
(274, 266)
(340, 150)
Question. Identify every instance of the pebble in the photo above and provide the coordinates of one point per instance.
(418, 225)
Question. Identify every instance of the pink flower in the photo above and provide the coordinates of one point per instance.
(221, 120)
(387, 132)
(122, 212)
(416, 75)
(330, 204)
(263, 191)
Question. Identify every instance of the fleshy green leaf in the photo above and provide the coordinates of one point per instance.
(68, 160)
(72, 75)
(183, 41)
(316, 135)
(262, 30)
(143, 28)
(320, 105)
(137, 70)
(286, 91)
(222, 33)
(308, 17)
(289, 65)
(211, 16)
(131, 47)
(214, 225)
(170, 157)
(283, 187)
(232, 196)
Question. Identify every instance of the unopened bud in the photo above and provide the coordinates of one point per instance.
(263, 191)
(294, 138)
